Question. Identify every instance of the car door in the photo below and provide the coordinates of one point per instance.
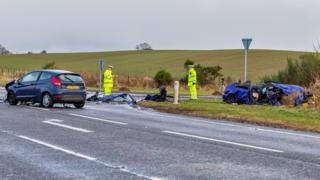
(25, 89)
(43, 84)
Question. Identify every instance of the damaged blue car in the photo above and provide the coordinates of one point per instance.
(268, 93)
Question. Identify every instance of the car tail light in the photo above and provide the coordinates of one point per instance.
(55, 81)
(57, 96)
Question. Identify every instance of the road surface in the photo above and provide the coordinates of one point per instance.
(104, 141)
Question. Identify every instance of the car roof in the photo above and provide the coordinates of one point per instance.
(55, 71)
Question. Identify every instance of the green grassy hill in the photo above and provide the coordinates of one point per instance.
(147, 63)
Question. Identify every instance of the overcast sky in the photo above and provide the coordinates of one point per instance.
(107, 25)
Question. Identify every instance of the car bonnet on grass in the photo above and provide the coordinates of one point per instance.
(267, 93)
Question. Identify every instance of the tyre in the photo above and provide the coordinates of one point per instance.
(79, 104)
(46, 101)
(232, 98)
(12, 99)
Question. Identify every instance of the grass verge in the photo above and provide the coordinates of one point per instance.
(283, 117)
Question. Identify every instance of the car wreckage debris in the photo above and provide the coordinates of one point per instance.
(268, 93)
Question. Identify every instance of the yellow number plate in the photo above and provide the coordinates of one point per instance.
(73, 87)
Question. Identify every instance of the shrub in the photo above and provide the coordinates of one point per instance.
(50, 65)
(163, 78)
(303, 73)
(207, 74)
(188, 62)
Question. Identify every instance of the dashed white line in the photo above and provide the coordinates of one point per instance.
(223, 141)
(39, 108)
(73, 153)
(57, 122)
(58, 148)
(99, 119)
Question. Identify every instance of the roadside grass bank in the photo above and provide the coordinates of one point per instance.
(283, 117)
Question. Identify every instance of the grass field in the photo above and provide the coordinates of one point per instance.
(147, 63)
(293, 118)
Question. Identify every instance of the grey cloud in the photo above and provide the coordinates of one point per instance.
(96, 25)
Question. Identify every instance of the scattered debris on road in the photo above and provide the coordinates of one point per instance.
(122, 98)
(161, 97)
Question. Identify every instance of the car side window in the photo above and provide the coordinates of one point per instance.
(30, 77)
(45, 76)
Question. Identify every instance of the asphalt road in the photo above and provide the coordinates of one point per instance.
(104, 141)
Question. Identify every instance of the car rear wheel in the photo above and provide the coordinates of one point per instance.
(12, 99)
(79, 104)
(46, 101)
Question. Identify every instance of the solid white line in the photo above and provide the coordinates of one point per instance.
(59, 148)
(289, 133)
(56, 122)
(98, 119)
(222, 141)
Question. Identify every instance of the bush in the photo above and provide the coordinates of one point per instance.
(163, 78)
(188, 62)
(207, 74)
(50, 65)
(303, 73)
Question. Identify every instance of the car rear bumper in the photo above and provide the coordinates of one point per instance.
(69, 97)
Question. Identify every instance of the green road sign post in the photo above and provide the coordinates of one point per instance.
(246, 44)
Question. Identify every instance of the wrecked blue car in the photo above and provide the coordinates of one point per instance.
(267, 93)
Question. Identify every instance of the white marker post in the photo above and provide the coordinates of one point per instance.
(101, 67)
(246, 44)
(176, 92)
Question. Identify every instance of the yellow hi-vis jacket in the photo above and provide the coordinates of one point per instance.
(192, 77)
(108, 77)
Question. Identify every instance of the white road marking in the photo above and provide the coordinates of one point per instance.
(84, 157)
(223, 141)
(99, 119)
(289, 133)
(240, 126)
(59, 148)
(56, 122)
(167, 116)
(212, 122)
(39, 108)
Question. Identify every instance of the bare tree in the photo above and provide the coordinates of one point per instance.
(4, 51)
(143, 46)
(316, 46)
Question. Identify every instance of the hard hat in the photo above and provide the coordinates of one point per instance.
(110, 66)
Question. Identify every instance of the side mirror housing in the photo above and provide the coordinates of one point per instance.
(17, 81)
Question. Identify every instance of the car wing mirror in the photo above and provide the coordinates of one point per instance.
(17, 82)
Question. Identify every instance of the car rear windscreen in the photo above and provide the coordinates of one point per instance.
(70, 78)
